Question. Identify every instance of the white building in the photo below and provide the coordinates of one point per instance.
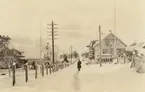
(110, 46)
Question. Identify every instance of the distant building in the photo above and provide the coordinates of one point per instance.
(107, 46)
(47, 52)
(30, 60)
(92, 49)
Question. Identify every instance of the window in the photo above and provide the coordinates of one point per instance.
(112, 41)
(107, 42)
(105, 51)
(112, 50)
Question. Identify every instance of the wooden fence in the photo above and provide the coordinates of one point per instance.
(27, 71)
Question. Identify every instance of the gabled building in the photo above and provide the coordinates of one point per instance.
(92, 49)
(108, 46)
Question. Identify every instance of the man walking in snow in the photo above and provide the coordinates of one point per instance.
(79, 65)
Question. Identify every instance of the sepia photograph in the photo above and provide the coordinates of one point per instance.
(72, 46)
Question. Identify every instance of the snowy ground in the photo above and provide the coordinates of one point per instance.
(92, 78)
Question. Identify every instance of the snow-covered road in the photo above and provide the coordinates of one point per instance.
(109, 78)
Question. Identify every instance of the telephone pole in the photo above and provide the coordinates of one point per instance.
(100, 58)
(40, 41)
(115, 38)
(53, 34)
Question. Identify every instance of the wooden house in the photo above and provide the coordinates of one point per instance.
(111, 46)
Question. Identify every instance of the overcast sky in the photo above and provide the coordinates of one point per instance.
(77, 20)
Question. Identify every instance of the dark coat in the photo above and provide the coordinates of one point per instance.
(79, 64)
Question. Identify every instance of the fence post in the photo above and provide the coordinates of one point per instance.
(134, 56)
(36, 71)
(117, 59)
(26, 72)
(57, 67)
(46, 69)
(42, 69)
(50, 69)
(14, 73)
(124, 59)
(9, 70)
(54, 68)
(133, 60)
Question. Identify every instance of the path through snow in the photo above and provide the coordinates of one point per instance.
(109, 78)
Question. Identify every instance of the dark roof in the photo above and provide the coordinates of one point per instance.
(92, 43)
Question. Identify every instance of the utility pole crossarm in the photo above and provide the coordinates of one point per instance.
(53, 31)
(52, 24)
(53, 28)
(51, 35)
(51, 38)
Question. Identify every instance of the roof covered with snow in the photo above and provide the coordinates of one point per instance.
(105, 36)
(138, 46)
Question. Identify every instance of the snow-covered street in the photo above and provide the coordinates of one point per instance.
(91, 78)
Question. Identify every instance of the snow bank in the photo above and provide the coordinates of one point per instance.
(140, 58)
(140, 64)
(109, 78)
(124, 80)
